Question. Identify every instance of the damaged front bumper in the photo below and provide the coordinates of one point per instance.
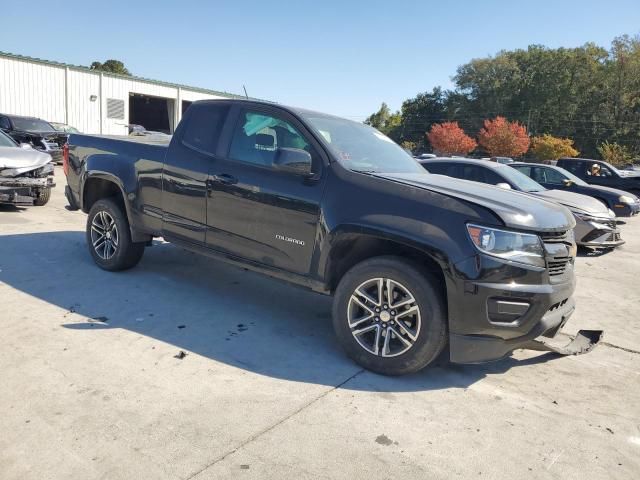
(23, 189)
(496, 307)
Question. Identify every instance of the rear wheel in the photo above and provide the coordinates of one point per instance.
(389, 316)
(42, 197)
(109, 237)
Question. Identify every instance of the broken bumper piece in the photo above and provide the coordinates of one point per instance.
(584, 342)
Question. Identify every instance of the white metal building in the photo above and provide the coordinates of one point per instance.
(92, 101)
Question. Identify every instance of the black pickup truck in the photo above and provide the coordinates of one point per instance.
(597, 172)
(415, 261)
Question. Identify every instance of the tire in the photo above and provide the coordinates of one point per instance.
(109, 237)
(425, 329)
(43, 197)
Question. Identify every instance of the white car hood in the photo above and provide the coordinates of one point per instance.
(16, 161)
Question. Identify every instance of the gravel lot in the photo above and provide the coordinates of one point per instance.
(92, 386)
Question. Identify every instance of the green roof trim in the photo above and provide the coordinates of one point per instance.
(81, 68)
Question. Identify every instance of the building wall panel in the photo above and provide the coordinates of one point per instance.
(61, 93)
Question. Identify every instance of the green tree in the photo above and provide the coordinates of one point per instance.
(111, 66)
(384, 120)
(615, 154)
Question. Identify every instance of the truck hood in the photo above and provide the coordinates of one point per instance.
(16, 161)
(575, 202)
(515, 209)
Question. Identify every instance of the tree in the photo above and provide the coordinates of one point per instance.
(384, 120)
(501, 138)
(548, 147)
(615, 153)
(111, 66)
(449, 139)
(407, 145)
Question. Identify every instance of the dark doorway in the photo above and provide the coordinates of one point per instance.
(153, 113)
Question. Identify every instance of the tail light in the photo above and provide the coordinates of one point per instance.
(65, 159)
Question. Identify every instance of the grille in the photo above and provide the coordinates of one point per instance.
(558, 246)
(558, 265)
(551, 236)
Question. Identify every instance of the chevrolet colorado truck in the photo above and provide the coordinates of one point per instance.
(415, 261)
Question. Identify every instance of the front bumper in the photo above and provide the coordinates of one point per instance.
(16, 196)
(484, 348)
(626, 209)
(496, 306)
(598, 233)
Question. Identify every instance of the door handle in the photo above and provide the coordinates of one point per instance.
(224, 178)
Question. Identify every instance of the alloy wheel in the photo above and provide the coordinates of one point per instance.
(104, 235)
(384, 317)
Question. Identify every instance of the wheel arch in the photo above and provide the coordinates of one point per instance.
(349, 249)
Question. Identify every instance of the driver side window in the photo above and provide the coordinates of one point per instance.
(259, 139)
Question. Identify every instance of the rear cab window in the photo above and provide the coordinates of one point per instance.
(203, 127)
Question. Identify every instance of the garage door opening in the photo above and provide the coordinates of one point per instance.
(153, 113)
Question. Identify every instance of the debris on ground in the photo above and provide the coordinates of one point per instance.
(181, 354)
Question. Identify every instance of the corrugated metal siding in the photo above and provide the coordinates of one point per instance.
(83, 113)
(32, 89)
(37, 89)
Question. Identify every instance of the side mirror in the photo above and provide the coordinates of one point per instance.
(504, 185)
(26, 146)
(567, 182)
(293, 160)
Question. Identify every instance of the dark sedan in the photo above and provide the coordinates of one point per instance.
(622, 203)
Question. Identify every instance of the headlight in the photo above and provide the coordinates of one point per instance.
(626, 199)
(513, 246)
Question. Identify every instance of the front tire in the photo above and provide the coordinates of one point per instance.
(389, 316)
(42, 197)
(109, 237)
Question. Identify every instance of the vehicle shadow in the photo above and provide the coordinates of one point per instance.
(208, 308)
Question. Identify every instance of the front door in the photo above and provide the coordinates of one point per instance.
(257, 210)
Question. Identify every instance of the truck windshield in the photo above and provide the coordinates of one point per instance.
(362, 148)
(31, 125)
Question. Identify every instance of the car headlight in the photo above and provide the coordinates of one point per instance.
(626, 199)
(514, 246)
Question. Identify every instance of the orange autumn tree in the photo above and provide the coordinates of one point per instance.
(449, 139)
(501, 138)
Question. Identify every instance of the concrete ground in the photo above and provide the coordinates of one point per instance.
(91, 386)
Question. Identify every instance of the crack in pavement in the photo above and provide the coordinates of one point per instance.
(271, 427)
(606, 344)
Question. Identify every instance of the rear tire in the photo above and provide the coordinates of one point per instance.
(109, 237)
(43, 196)
(392, 334)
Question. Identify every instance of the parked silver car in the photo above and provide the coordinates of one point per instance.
(596, 224)
(26, 174)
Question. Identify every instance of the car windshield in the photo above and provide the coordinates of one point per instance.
(31, 125)
(520, 180)
(572, 177)
(6, 141)
(362, 148)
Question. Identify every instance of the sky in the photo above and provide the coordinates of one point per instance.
(342, 57)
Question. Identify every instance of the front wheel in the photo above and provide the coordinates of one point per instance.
(42, 197)
(109, 238)
(389, 316)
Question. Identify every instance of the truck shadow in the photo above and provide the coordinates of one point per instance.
(207, 308)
